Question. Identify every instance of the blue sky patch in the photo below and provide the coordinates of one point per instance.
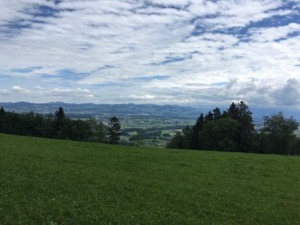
(25, 70)
(150, 78)
(219, 84)
(70, 75)
(42, 11)
(198, 30)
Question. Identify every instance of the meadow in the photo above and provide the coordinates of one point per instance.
(59, 182)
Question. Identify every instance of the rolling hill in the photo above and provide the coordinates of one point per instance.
(46, 181)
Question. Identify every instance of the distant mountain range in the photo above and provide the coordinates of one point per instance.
(124, 110)
(91, 110)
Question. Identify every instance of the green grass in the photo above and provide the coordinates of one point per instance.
(62, 182)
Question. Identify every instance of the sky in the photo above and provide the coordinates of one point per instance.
(178, 52)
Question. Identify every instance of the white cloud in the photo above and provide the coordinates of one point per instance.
(274, 33)
(20, 90)
(39, 94)
(142, 97)
(112, 44)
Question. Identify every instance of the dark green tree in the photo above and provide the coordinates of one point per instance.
(59, 123)
(98, 130)
(279, 133)
(296, 147)
(187, 135)
(244, 137)
(13, 123)
(48, 125)
(209, 116)
(77, 130)
(208, 130)
(220, 135)
(233, 111)
(182, 140)
(195, 133)
(216, 114)
(2, 119)
(114, 130)
(176, 142)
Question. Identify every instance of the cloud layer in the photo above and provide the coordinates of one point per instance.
(190, 52)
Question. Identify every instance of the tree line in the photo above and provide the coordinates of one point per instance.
(233, 130)
(59, 126)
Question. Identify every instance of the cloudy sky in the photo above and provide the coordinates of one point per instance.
(185, 52)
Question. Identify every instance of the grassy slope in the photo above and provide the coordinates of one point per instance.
(62, 182)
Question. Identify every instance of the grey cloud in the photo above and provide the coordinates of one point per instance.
(262, 92)
(289, 94)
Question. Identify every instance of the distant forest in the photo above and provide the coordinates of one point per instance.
(230, 130)
(233, 130)
(59, 126)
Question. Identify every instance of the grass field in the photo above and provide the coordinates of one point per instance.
(47, 182)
